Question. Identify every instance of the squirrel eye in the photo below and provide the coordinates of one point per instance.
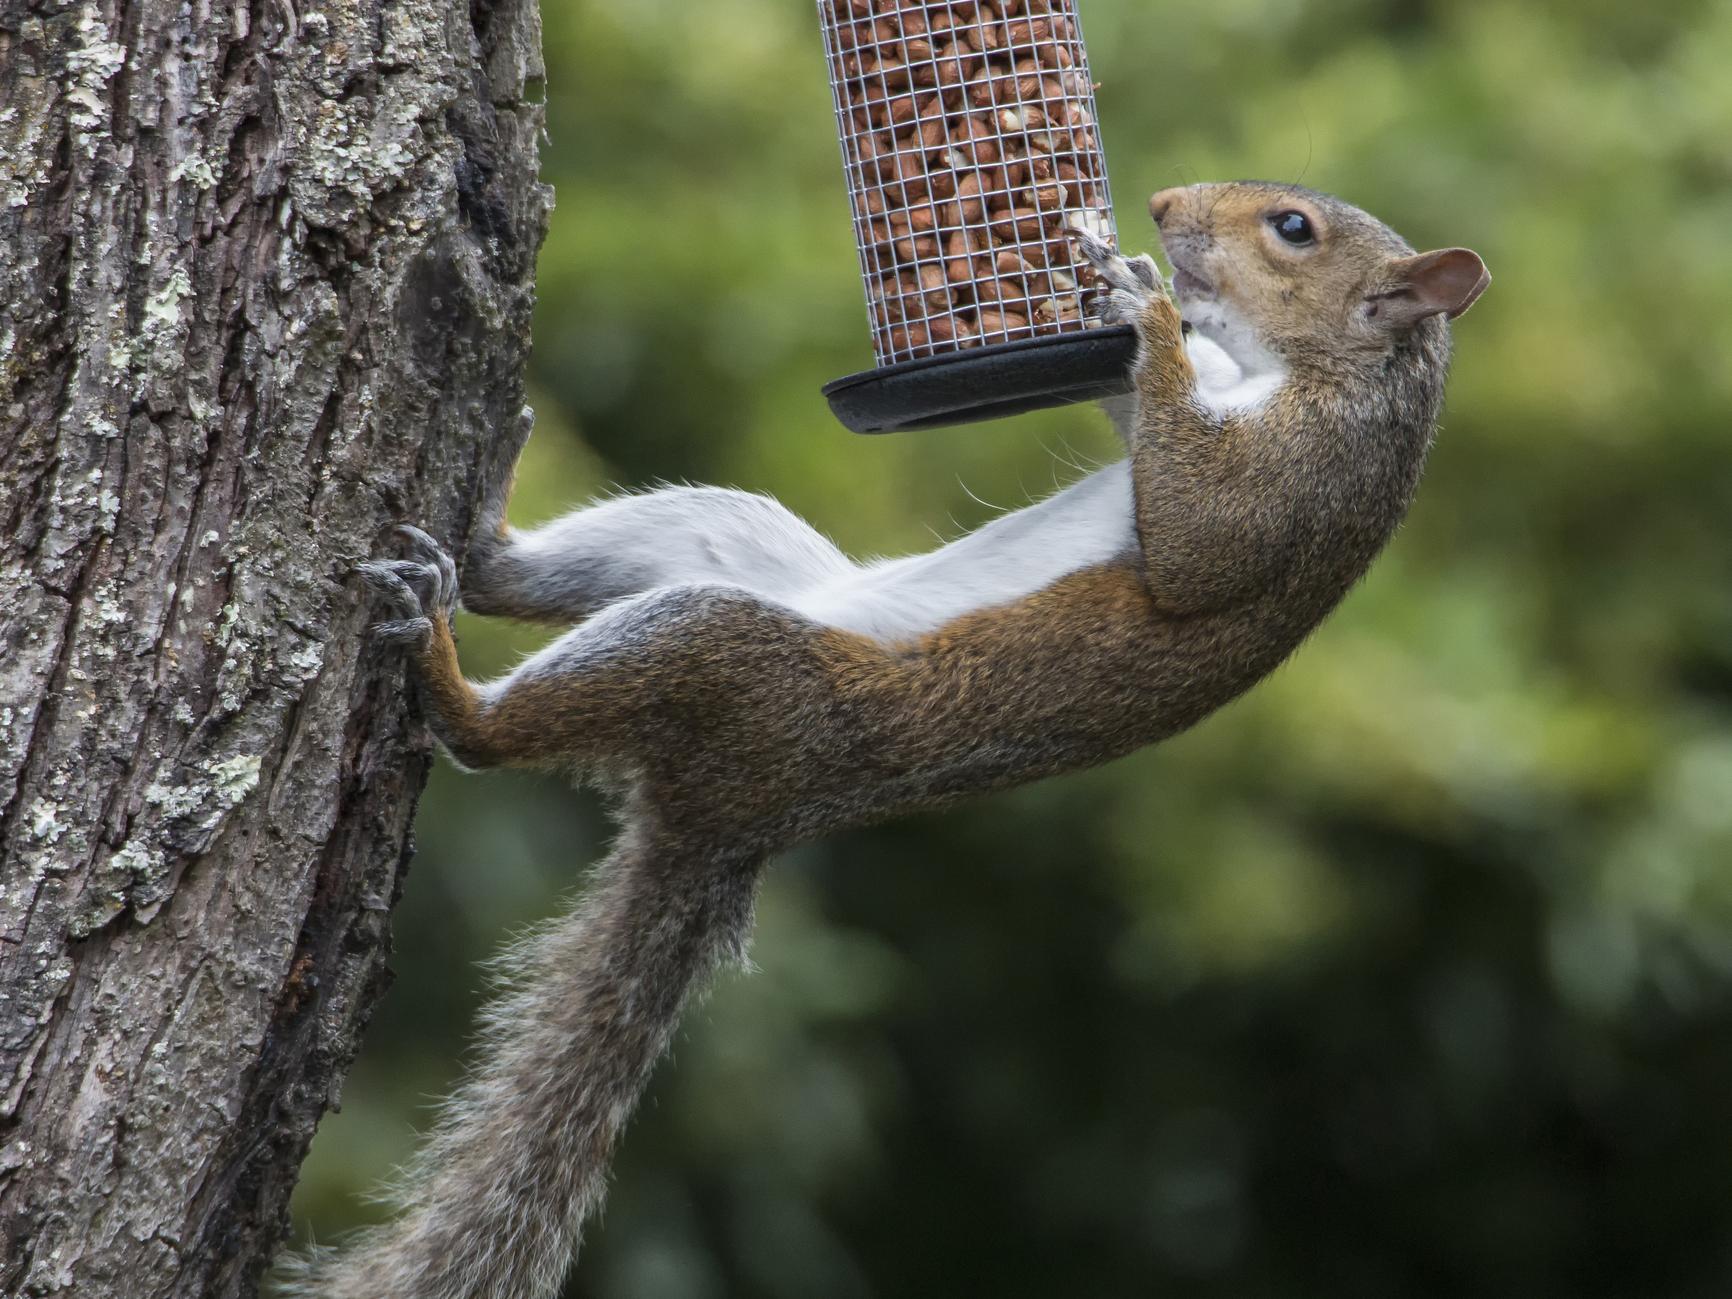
(1293, 227)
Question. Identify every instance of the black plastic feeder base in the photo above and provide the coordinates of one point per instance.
(986, 382)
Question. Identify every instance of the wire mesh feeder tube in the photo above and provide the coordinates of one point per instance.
(970, 148)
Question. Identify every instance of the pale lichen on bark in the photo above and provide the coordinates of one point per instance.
(264, 289)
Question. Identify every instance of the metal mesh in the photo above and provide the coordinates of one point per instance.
(970, 146)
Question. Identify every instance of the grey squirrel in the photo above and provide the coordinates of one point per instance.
(741, 685)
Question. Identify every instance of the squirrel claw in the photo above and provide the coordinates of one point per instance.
(1129, 285)
(409, 624)
(1097, 250)
(1132, 274)
(429, 553)
(412, 589)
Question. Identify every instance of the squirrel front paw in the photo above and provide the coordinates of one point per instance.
(414, 590)
(1131, 292)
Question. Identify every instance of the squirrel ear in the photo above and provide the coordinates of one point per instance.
(1425, 284)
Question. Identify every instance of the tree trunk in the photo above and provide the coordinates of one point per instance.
(265, 288)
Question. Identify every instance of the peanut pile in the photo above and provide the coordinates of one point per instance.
(969, 137)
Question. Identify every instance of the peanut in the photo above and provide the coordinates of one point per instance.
(994, 322)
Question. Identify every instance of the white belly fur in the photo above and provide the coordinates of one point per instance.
(1088, 523)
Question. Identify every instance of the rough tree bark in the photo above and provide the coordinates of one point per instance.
(265, 287)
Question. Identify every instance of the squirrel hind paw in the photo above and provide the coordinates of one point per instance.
(408, 623)
(430, 554)
(413, 590)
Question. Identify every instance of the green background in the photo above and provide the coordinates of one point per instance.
(1410, 973)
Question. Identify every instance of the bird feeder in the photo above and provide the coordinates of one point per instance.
(970, 146)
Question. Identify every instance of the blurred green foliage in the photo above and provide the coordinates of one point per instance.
(1409, 974)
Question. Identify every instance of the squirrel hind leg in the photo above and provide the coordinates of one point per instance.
(415, 590)
(568, 569)
(573, 704)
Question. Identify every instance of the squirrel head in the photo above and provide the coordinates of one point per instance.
(1264, 268)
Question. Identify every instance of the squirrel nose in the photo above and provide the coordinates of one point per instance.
(1163, 202)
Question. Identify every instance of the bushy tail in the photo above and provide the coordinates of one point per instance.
(493, 1205)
